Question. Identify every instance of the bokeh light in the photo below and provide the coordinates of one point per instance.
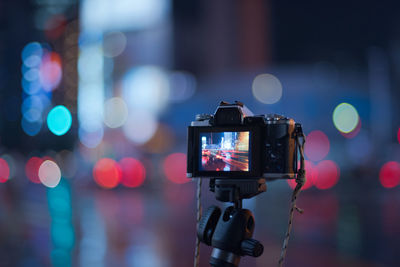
(182, 85)
(317, 145)
(133, 172)
(30, 87)
(32, 54)
(311, 175)
(30, 102)
(353, 133)
(4, 171)
(49, 173)
(31, 75)
(133, 15)
(389, 174)
(31, 128)
(146, 88)
(90, 63)
(114, 44)
(267, 88)
(175, 168)
(32, 115)
(11, 165)
(140, 126)
(115, 112)
(50, 71)
(32, 169)
(327, 174)
(398, 135)
(107, 173)
(91, 139)
(59, 120)
(91, 87)
(345, 117)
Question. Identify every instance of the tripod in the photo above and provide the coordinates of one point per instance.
(230, 232)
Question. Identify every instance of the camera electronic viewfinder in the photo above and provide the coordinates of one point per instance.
(235, 144)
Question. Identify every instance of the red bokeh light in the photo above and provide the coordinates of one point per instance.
(311, 173)
(4, 171)
(317, 145)
(32, 169)
(107, 173)
(50, 71)
(327, 174)
(133, 172)
(175, 168)
(353, 133)
(398, 135)
(390, 174)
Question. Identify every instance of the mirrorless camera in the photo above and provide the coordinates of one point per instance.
(235, 144)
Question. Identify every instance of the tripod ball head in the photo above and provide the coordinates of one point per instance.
(207, 224)
(229, 233)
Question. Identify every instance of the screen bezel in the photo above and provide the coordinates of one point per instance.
(254, 152)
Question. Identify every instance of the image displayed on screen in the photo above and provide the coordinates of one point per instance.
(224, 151)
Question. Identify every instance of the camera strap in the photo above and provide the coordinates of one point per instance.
(198, 217)
(300, 180)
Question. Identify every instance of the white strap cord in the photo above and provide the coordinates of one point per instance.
(300, 180)
(198, 217)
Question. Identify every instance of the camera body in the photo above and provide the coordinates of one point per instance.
(235, 144)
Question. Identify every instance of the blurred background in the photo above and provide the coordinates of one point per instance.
(96, 96)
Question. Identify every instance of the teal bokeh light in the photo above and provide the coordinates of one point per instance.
(59, 120)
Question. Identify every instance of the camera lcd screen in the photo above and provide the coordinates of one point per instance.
(224, 151)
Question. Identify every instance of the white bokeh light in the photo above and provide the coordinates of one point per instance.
(140, 126)
(49, 173)
(182, 86)
(91, 139)
(267, 88)
(146, 88)
(345, 117)
(115, 112)
(114, 44)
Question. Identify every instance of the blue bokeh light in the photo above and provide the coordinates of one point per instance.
(31, 128)
(32, 54)
(59, 120)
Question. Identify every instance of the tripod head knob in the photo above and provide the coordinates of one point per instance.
(251, 247)
(207, 224)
